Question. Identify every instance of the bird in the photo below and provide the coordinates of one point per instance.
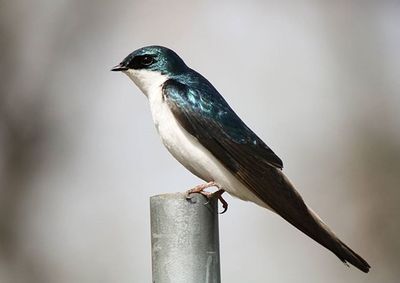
(201, 131)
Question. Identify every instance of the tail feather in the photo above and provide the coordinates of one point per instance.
(348, 255)
(275, 190)
(328, 239)
(292, 207)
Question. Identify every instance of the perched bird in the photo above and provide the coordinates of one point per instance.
(203, 133)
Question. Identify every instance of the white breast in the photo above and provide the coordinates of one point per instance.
(183, 146)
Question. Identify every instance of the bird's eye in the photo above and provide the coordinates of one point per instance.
(147, 60)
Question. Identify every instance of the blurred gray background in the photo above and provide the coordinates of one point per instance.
(79, 155)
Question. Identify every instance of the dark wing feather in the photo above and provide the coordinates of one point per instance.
(235, 145)
(205, 115)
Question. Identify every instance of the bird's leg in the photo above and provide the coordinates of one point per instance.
(200, 189)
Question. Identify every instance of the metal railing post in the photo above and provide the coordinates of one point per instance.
(184, 239)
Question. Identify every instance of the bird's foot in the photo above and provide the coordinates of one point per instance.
(201, 190)
(218, 194)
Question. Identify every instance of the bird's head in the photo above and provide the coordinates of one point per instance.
(151, 66)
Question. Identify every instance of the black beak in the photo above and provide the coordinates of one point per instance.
(119, 67)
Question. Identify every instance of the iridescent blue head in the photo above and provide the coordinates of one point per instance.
(153, 58)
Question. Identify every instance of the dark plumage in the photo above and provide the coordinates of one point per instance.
(216, 126)
(205, 115)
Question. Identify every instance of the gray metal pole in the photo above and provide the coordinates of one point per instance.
(184, 239)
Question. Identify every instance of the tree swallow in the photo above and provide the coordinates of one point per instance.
(205, 135)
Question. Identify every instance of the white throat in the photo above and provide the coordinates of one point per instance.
(147, 81)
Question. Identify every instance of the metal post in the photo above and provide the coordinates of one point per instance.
(184, 239)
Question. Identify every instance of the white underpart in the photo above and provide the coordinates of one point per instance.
(182, 145)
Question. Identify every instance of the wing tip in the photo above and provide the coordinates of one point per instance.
(349, 256)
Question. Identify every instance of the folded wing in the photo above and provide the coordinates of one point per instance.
(204, 114)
